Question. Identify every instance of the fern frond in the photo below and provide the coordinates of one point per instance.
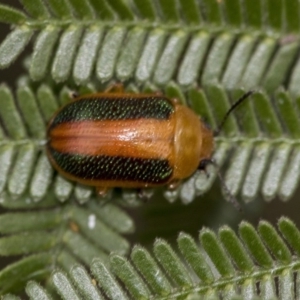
(263, 148)
(59, 237)
(234, 43)
(11, 16)
(258, 263)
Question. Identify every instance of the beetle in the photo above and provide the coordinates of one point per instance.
(119, 139)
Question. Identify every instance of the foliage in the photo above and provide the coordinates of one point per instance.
(204, 52)
(261, 146)
(257, 263)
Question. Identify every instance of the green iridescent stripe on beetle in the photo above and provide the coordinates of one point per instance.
(93, 109)
(119, 168)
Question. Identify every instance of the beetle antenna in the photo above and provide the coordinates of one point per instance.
(233, 107)
(230, 197)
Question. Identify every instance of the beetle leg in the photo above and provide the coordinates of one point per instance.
(101, 191)
(174, 185)
(203, 165)
(175, 101)
(145, 194)
(205, 123)
(158, 93)
(73, 95)
(117, 88)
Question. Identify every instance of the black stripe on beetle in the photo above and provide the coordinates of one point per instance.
(101, 167)
(119, 108)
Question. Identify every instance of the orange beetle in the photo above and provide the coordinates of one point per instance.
(118, 139)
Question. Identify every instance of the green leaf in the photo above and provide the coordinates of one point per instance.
(253, 11)
(106, 237)
(20, 173)
(108, 53)
(83, 248)
(36, 8)
(11, 16)
(193, 59)
(125, 271)
(273, 7)
(84, 283)
(102, 9)
(10, 297)
(171, 263)
(281, 64)
(65, 54)
(13, 45)
(64, 286)
(150, 270)
(128, 58)
(47, 101)
(41, 178)
(237, 282)
(194, 257)
(236, 250)
(291, 15)
(86, 56)
(65, 236)
(258, 158)
(122, 9)
(205, 53)
(28, 268)
(10, 115)
(217, 58)
(166, 64)
(233, 12)
(20, 244)
(239, 61)
(18, 222)
(107, 281)
(169, 10)
(274, 242)
(146, 8)
(42, 52)
(274, 173)
(81, 9)
(216, 252)
(212, 12)
(150, 55)
(237, 50)
(290, 232)
(255, 245)
(60, 8)
(259, 162)
(191, 12)
(34, 290)
(30, 112)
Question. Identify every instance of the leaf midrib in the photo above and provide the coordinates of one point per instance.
(148, 25)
